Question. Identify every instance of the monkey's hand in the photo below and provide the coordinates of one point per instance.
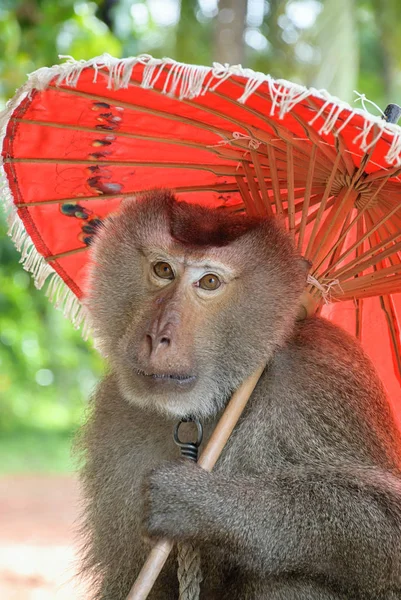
(171, 508)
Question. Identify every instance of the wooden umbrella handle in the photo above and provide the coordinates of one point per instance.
(159, 554)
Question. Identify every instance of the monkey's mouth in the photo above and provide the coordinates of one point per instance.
(167, 377)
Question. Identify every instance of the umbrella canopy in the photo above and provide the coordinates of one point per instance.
(81, 136)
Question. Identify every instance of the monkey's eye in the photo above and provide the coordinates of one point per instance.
(163, 270)
(209, 282)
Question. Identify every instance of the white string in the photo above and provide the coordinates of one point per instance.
(363, 100)
(324, 288)
(253, 144)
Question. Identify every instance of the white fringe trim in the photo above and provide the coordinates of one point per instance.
(184, 82)
(33, 262)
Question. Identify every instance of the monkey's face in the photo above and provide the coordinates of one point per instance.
(183, 322)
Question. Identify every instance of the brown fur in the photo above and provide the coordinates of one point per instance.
(305, 502)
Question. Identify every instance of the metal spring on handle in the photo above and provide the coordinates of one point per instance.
(189, 449)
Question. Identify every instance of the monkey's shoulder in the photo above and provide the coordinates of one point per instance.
(323, 350)
(321, 390)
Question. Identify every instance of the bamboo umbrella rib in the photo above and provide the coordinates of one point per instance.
(253, 131)
(280, 130)
(117, 133)
(366, 256)
(359, 301)
(253, 188)
(275, 183)
(336, 253)
(366, 235)
(322, 206)
(377, 236)
(301, 162)
(249, 205)
(392, 286)
(228, 153)
(362, 265)
(323, 244)
(387, 228)
(383, 173)
(224, 133)
(342, 149)
(387, 305)
(219, 170)
(298, 206)
(380, 274)
(307, 197)
(290, 187)
(312, 216)
(317, 141)
(266, 136)
(216, 169)
(366, 157)
(390, 202)
(218, 188)
(360, 214)
(261, 182)
(54, 257)
(316, 194)
(207, 109)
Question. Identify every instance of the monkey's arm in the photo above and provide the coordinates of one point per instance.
(342, 524)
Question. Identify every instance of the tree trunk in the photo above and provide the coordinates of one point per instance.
(229, 46)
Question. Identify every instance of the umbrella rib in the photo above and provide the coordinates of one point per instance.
(385, 173)
(346, 158)
(277, 128)
(323, 246)
(152, 111)
(362, 265)
(215, 169)
(249, 204)
(388, 229)
(359, 301)
(322, 207)
(233, 153)
(393, 286)
(250, 129)
(54, 257)
(219, 131)
(253, 188)
(387, 305)
(307, 195)
(290, 190)
(352, 248)
(358, 265)
(126, 134)
(274, 179)
(222, 188)
(312, 216)
(261, 182)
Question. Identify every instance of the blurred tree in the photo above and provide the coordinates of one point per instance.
(229, 44)
(337, 70)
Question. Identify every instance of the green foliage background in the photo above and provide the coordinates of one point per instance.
(46, 370)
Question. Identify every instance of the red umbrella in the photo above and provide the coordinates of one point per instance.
(80, 136)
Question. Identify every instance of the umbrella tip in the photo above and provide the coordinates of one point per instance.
(392, 113)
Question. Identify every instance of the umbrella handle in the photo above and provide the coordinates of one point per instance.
(158, 556)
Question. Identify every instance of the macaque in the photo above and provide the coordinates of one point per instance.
(305, 501)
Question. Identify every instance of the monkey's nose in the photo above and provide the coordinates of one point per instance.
(158, 341)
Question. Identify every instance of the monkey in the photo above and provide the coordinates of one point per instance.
(186, 302)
